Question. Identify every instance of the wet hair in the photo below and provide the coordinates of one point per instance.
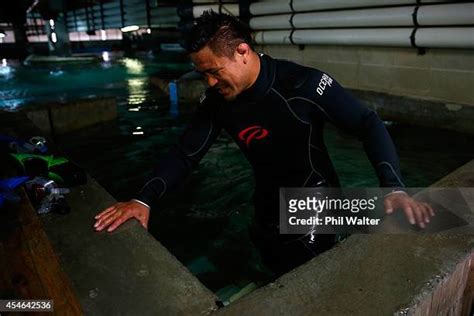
(220, 31)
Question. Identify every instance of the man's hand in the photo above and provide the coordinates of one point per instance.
(118, 213)
(416, 212)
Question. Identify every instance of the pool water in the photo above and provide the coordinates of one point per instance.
(123, 78)
(203, 223)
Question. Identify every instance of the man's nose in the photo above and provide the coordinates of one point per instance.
(211, 81)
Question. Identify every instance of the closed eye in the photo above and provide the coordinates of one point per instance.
(212, 72)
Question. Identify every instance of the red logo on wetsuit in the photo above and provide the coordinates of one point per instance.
(251, 133)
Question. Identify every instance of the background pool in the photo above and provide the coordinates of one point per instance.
(121, 77)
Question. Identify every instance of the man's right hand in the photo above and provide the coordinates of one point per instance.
(118, 213)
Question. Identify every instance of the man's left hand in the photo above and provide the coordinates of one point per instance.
(416, 212)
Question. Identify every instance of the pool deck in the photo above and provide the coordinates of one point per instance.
(129, 272)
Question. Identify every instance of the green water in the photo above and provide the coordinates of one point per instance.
(123, 78)
(204, 222)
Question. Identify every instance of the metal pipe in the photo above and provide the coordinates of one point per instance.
(440, 14)
(445, 37)
(274, 7)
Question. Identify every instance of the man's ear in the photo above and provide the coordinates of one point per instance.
(243, 49)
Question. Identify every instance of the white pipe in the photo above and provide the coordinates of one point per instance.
(441, 14)
(452, 37)
(445, 37)
(274, 7)
(393, 37)
(232, 9)
(349, 18)
(450, 14)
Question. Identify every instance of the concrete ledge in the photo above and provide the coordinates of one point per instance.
(62, 118)
(373, 275)
(366, 275)
(127, 272)
(461, 177)
(422, 112)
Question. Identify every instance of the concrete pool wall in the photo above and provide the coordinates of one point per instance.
(129, 272)
(377, 275)
(60, 118)
(433, 89)
(440, 75)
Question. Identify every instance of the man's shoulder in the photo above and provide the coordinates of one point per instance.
(293, 78)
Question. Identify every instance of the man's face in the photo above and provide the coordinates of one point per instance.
(228, 76)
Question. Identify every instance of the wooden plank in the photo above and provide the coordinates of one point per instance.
(20, 277)
(31, 269)
(468, 299)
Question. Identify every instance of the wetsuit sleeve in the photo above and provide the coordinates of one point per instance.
(195, 141)
(339, 107)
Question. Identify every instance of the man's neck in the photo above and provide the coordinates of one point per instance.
(254, 64)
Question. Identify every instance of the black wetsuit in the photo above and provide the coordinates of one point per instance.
(278, 124)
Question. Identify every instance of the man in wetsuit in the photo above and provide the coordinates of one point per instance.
(275, 111)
